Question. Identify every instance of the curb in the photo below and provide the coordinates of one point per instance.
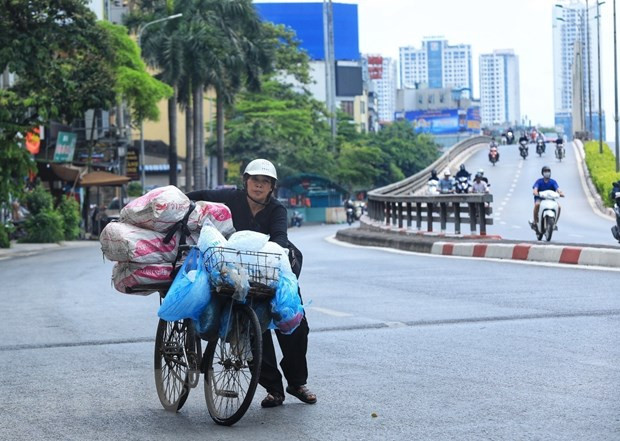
(32, 249)
(492, 249)
(563, 254)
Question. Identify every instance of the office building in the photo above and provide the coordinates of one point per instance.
(383, 76)
(499, 88)
(575, 44)
(436, 65)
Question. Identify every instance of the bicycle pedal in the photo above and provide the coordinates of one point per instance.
(227, 393)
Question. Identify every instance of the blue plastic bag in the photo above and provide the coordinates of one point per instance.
(189, 293)
(286, 308)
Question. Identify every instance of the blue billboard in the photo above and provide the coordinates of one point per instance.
(306, 19)
(444, 121)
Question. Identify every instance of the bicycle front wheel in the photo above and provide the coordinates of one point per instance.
(233, 367)
(177, 362)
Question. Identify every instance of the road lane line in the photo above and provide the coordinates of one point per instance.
(331, 312)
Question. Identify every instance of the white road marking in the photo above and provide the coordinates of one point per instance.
(331, 312)
(517, 226)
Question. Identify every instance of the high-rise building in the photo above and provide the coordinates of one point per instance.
(575, 44)
(499, 88)
(436, 65)
(382, 73)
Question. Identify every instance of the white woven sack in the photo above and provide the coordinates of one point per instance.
(130, 274)
(158, 210)
(123, 242)
(218, 214)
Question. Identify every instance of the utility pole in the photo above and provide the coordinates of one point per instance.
(330, 66)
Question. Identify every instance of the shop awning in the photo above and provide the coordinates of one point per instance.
(102, 179)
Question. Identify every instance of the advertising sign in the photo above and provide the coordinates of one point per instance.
(445, 121)
(132, 164)
(65, 147)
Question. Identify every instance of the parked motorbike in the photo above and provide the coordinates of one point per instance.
(510, 137)
(540, 147)
(462, 185)
(615, 194)
(547, 214)
(523, 149)
(296, 219)
(493, 155)
(560, 153)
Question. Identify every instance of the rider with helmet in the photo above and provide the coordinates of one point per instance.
(542, 184)
(462, 172)
(524, 138)
(482, 177)
(254, 208)
(446, 184)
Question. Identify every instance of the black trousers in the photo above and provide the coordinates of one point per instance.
(294, 364)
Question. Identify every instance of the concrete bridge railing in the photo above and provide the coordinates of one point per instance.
(398, 203)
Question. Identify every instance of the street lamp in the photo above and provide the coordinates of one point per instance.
(140, 30)
(617, 141)
(598, 44)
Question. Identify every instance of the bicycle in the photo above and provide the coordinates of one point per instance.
(232, 359)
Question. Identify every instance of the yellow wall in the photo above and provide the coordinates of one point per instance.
(154, 131)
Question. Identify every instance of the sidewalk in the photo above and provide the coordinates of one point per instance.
(30, 249)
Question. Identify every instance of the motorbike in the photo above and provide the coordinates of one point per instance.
(432, 187)
(296, 219)
(540, 147)
(547, 214)
(510, 137)
(462, 185)
(560, 153)
(523, 149)
(350, 215)
(493, 155)
(615, 195)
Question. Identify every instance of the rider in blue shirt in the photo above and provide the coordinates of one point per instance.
(542, 184)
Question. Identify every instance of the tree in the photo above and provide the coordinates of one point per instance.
(62, 63)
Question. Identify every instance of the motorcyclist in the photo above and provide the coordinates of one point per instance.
(524, 138)
(446, 184)
(434, 176)
(479, 186)
(493, 143)
(542, 184)
(484, 178)
(493, 149)
(462, 172)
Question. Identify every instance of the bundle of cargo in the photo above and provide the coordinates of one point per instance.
(145, 242)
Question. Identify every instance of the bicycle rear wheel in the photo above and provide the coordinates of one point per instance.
(233, 367)
(177, 362)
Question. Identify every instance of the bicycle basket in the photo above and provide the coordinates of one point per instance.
(233, 270)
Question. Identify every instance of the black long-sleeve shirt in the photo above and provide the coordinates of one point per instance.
(271, 220)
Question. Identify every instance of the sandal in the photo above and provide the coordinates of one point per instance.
(302, 393)
(273, 399)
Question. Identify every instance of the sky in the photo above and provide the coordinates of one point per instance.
(522, 25)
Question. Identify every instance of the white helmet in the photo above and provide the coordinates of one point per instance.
(481, 171)
(446, 172)
(261, 167)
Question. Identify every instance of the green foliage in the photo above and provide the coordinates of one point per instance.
(134, 189)
(38, 200)
(602, 168)
(356, 166)
(69, 209)
(133, 83)
(47, 226)
(4, 237)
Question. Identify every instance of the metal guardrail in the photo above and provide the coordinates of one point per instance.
(396, 203)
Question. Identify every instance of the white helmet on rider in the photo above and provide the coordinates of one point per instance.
(446, 172)
(261, 167)
(481, 172)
